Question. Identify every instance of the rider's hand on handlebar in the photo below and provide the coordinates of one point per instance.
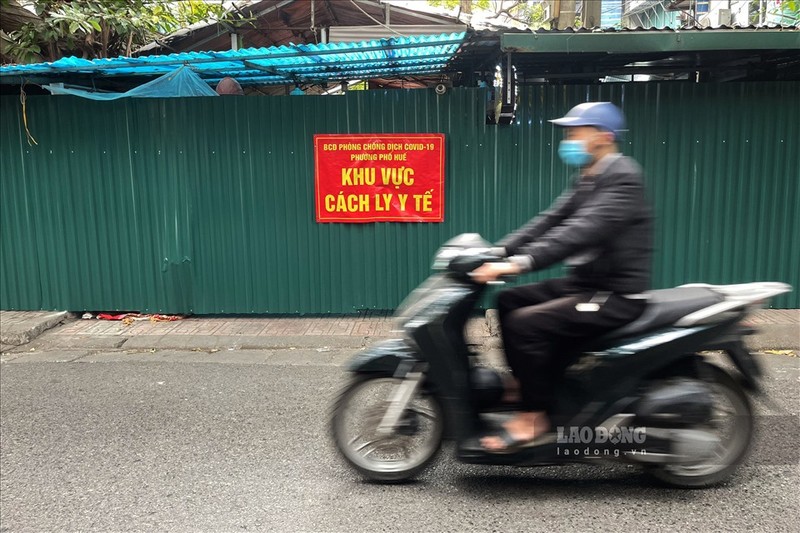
(492, 271)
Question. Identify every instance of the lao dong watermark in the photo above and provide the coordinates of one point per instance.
(601, 441)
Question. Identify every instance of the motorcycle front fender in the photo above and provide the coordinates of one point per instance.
(384, 358)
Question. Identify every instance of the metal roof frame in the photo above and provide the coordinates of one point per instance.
(647, 41)
(586, 56)
(278, 22)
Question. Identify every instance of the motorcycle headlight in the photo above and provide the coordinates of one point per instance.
(443, 257)
(446, 254)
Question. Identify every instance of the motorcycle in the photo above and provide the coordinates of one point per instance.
(645, 393)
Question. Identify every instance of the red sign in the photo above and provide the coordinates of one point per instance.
(380, 177)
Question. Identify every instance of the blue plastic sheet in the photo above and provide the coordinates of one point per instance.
(276, 65)
(179, 83)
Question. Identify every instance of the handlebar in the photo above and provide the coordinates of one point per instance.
(464, 264)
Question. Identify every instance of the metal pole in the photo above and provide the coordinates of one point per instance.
(509, 87)
(313, 17)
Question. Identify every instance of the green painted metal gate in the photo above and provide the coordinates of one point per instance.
(205, 205)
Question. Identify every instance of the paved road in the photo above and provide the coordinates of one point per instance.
(158, 442)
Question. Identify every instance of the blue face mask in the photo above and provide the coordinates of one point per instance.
(574, 153)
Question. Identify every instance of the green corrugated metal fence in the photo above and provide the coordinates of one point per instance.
(206, 205)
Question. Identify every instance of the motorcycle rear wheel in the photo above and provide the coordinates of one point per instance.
(392, 458)
(731, 403)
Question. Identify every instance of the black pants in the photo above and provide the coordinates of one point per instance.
(540, 324)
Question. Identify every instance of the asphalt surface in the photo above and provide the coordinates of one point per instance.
(185, 442)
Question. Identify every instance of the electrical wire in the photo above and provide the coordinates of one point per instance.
(376, 21)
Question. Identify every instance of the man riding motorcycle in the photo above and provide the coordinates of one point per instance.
(602, 228)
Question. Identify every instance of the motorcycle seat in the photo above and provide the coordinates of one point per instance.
(665, 307)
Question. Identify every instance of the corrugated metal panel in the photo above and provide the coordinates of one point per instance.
(207, 205)
(349, 34)
(19, 261)
(396, 56)
(663, 40)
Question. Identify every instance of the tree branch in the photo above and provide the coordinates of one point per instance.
(507, 12)
(15, 16)
(104, 36)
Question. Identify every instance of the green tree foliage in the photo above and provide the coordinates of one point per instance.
(94, 28)
(787, 13)
(465, 5)
(529, 12)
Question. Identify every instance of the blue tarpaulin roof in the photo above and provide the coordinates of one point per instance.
(277, 65)
(181, 82)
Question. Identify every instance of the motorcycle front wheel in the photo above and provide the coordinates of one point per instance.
(387, 458)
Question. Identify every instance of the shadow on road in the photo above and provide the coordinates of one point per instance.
(604, 483)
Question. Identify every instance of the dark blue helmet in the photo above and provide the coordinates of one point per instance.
(603, 115)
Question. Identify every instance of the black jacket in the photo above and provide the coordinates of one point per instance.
(602, 226)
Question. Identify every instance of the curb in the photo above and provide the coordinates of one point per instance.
(221, 342)
(25, 332)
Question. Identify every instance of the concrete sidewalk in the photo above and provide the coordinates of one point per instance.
(21, 327)
(202, 333)
(26, 331)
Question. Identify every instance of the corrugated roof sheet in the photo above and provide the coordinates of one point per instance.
(653, 40)
(682, 29)
(414, 55)
(710, 54)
